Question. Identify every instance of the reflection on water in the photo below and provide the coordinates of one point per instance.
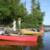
(43, 44)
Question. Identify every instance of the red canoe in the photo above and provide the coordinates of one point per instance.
(18, 40)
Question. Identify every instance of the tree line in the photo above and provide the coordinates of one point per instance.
(13, 9)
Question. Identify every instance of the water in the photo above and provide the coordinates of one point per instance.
(46, 41)
(43, 44)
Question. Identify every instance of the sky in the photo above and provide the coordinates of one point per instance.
(45, 7)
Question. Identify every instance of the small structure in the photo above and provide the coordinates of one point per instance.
(14, 25)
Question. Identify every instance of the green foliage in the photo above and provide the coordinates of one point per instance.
(10, 10)
(13, 9)
(35, 18)
(37, 14)
(28, 21)
(21, 10)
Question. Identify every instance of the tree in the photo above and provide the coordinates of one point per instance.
(10, 10)
(37, 14)
(28, 21)
(21, 10)
(35, 18)
(4, 11)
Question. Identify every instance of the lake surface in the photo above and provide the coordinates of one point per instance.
(43, 44)
(46, 41)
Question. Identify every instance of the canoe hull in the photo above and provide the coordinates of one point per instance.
(18, 40)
